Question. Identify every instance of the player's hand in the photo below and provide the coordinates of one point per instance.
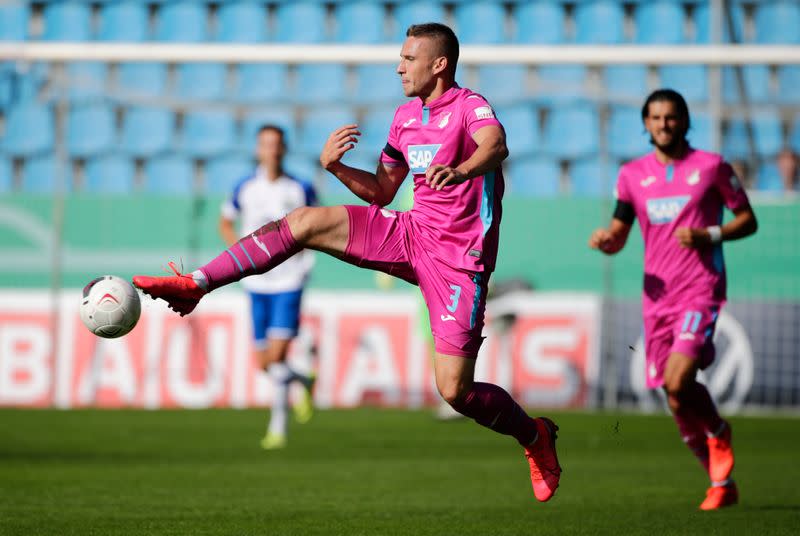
(339, 142)
(694, 238)
(603, 240)
(438, 176)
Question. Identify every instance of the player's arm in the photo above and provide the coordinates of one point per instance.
(227, 231)
(613, 239)
(491, 152)
(379, 187)
(743, 224)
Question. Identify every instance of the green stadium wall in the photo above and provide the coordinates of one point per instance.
(543, 241)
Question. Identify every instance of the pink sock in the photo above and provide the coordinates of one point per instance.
(256, 253)
(693, 434)
(491, 406)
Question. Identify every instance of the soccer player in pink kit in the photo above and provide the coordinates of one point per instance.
(678, 194)
(450, 140)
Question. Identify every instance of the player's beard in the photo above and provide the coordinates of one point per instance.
(675, 145)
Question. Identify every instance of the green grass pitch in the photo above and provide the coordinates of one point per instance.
(373, 471)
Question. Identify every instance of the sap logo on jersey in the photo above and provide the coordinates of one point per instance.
(666, 209)
(421, 156)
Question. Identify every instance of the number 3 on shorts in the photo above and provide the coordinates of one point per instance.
(454, 298)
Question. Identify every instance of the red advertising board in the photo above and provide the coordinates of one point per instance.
(365, 349)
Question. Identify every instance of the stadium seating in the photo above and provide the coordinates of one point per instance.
(14, 17)
(281, 117)
(21, 82)
(90, 130)
(182, 21)
(659, 22)
(87, 81)
(375, 130)
(559, 84)
(700, 133)
(600, 22)
(408, 13)
(767, 137)
(592, 177)
(242, 22)
(40, 175)
(147, 131)
(109, 174)
(480, 22)
(521, 123)
(702, 22)
(208, 133)
(540, 23)
(789, 84)
(29, 129)
(360, 22)
(691, 81)
(534, 176)
(261, 82)
(777, 22)
(301, 22)
(142, 79)
(321, 83)
(794, 135)
(318, 124)
(6, 175)
(756, 84)
(169, 175)
(224, 172)
(67, 21)
(626, 135)
(124, 21)
(572, 131)
(378, 84)
(502, 83)
(769, 179)
(201, 81)
(625, 81)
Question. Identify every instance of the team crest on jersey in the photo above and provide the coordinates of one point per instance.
(694, 178)
(665, 209)
(444, 120)
(421, 156)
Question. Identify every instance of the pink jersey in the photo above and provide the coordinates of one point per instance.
(460, 223)
(688, 193)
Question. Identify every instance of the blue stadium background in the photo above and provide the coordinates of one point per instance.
(187, 128)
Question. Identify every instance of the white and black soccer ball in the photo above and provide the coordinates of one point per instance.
(110, 307)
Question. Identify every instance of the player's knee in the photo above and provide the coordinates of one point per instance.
(301, 223)
(453, 392)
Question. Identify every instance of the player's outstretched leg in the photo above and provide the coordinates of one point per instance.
(322, 228)
(491, 406)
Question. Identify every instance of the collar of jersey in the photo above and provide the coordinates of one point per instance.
(442, 100)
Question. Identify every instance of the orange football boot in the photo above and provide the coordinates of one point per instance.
(720, 496)
(543, 460)
(720, 455)
(179, 291)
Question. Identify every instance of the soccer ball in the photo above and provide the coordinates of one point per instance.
(110, 307)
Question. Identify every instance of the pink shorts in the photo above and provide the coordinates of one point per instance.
(690, 332)
(381, 239)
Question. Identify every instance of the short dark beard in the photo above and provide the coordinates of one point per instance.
(674, 149)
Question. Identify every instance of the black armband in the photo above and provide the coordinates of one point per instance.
(624, 212)
(393, 153)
